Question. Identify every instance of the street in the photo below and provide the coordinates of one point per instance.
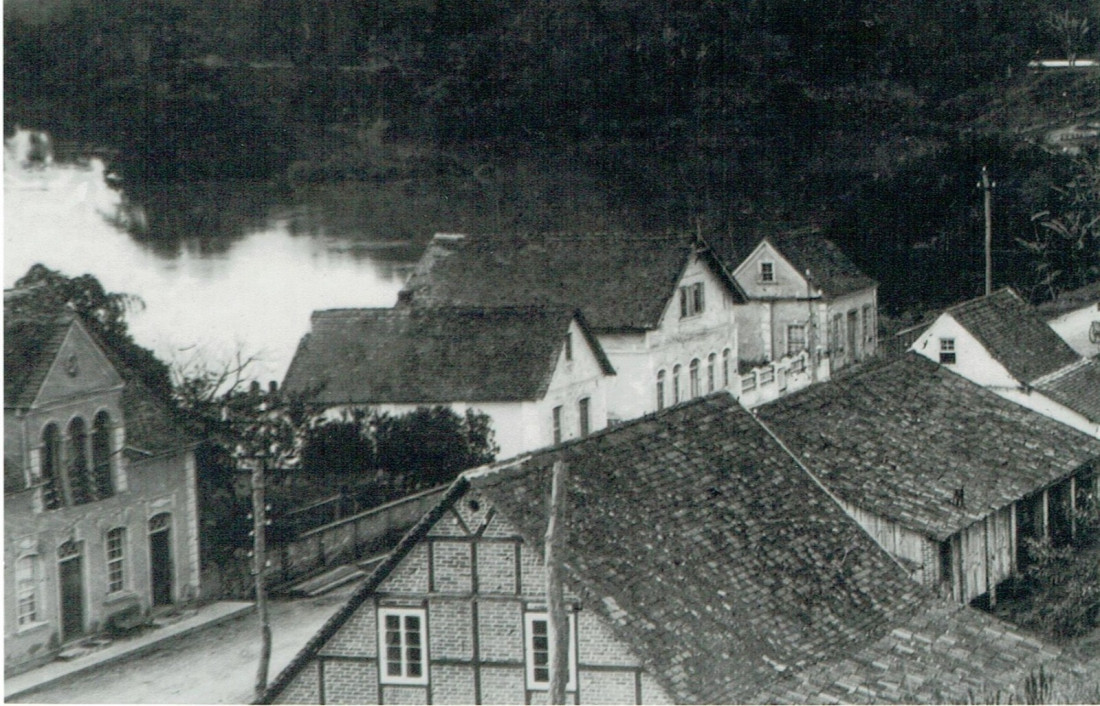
(213, 666)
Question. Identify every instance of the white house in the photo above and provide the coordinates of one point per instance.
(1075, 316)
(661, 305)
(537, 372)
(802, 294)
(1001, 343)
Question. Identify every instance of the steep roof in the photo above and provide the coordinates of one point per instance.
(1070, 300)
(1076, 387)
(711, 553)
(621, 281)
(805, 248)
(432, 355)
(899, 439)
(1014, 334)
(30, 346)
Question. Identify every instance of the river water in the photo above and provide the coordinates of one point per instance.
(206, 301)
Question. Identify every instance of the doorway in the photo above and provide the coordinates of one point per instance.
(71, 577)
(160, 558)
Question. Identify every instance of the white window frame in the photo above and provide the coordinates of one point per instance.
(26, 591)
(116, 562)
(801, 328)
(529, 618)
(384, 677)
(767, 271)
(947, 348)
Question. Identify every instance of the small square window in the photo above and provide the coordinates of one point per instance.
(767, 271)
(403, 646)
(537, 651)
(947, 351)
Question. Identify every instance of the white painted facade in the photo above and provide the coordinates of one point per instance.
(787, 313)
(525, 425)
(974, 362)
(1080, 328)
(639, 358)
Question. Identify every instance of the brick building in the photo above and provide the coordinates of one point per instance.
(701, 564)
(100, 508)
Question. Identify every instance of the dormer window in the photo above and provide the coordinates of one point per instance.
(947, 351)
(692, 302)
(767, 271)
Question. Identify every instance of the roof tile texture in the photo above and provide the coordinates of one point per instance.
(1077, 388)
(899, 439)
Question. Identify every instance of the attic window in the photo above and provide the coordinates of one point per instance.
(767, 271)
(538, 647)
(569, 346)
(947, 351)
(692, 302)
(402, 635)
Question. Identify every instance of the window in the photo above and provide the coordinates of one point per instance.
(116, 550)
(945, 562)
(660, 389)
(101, 456)
(537, 651)
(79, 480)
(726, 368)
(584, 421)
(557, 425)
(691, 300)
(401, 632)
(693, 376)
(796, 338)
(51, 467)
(26, 590)
(869, 324)
(767, 271)
(569, 346)
(675, 384)
(710, 372)
(836, 334)
(947, 351)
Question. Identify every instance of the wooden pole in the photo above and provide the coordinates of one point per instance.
(987, 188)
(558, 622)
(259, 556)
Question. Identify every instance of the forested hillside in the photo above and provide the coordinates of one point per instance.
(871, 119)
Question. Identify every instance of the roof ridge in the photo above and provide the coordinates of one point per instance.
(1061, 372)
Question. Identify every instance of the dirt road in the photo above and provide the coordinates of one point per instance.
(213, 666)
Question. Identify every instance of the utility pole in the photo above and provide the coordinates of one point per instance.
(259, 569)
(987, 186)
(558, 621)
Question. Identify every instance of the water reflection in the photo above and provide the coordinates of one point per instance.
(222, 268)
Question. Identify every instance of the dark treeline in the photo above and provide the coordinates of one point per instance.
(871, 118)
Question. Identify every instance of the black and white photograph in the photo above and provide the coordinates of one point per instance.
(551, 351)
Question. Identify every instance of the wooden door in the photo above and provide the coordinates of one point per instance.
(71, 577)
(160, 559)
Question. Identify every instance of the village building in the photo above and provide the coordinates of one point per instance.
(1075, 316)
(947, 476)
(538, 373)
(661, 305)
(802, 295)
(100, 508)
(700, 564)
(1000, 342)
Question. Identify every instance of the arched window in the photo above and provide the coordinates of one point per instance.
(693, 375)
(726, 368)
(79, 481)
(660, 389)
(51, 467)
(710, 372)
(101, 456)
(675, 384)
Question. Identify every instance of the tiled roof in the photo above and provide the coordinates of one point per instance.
(1014, 334)
(30, 346)
(1077, 387)
(622, 282)
(728, 571)
(1070, 300)
(830, 269)
(899, 439)
(151, 428)
(431, 355)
